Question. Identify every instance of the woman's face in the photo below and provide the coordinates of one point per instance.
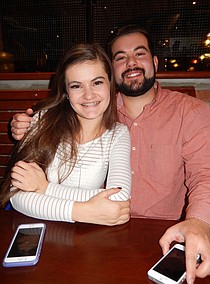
(88, 88)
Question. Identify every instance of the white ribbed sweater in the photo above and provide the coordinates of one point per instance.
(105, 158)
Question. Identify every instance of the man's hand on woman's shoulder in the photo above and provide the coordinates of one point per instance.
(20, 123)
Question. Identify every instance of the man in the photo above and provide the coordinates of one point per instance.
(170, 135)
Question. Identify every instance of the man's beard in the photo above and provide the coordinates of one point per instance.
(136, 89)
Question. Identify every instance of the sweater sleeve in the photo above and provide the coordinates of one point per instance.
(43, 206)
(119, 172)
(73, 193)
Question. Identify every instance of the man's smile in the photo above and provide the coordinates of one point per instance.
(131, 73)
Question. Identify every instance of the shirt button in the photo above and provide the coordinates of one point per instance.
(132, 172)
(135, 124)
(133, 148)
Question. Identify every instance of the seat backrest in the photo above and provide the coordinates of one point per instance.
(11, 102)
(190, 90)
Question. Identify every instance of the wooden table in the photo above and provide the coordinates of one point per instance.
(87, 254)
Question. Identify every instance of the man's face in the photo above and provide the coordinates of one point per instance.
(134, 67)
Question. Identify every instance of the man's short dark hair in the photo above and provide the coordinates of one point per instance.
(126, 30)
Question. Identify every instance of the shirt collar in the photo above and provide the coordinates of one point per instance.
(120, 105)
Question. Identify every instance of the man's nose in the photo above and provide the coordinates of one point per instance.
(131, 61)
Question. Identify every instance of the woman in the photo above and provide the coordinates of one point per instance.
(74, 162)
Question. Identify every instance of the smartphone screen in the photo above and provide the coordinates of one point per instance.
(25, 243)
(171, 268)
(25, 246)
(173, 265)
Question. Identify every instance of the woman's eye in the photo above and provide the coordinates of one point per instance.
(75, 86)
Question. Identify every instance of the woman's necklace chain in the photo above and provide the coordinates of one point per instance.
(79, 162)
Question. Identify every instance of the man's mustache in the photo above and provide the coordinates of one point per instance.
(133, 69)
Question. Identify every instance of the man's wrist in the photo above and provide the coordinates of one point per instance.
(42, 189)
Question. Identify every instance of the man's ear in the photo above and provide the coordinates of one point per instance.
(155, 60)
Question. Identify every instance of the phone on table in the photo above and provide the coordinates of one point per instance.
(25, 247)
(171, 268)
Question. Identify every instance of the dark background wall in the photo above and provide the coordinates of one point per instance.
(38, 32)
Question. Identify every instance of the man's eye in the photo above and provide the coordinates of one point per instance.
(120, 58)
(98, 83)
(139, 54)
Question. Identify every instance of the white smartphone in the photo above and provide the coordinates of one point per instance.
(25, 247)
(171, 268)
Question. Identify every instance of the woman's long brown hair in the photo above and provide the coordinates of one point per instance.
(59, 124)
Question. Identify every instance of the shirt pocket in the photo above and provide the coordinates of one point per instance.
(165, 164)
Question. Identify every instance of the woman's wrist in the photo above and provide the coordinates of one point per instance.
(80, 212)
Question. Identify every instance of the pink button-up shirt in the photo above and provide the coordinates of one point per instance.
(170, 157)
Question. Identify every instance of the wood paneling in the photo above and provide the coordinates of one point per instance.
(11, 102)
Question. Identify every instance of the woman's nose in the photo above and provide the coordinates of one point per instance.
(88, 94)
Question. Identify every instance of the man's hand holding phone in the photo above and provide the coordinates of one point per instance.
(195, 234)
(171, 268)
